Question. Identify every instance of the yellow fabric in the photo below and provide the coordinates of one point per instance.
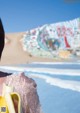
(6, 100)
(16, 96)
(9, 102)
(3, 105)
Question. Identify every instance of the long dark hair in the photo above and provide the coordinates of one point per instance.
(2, 38)
(4, 74)
(2, 41)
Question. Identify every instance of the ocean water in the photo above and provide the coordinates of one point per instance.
(57, 100)
(58, 84)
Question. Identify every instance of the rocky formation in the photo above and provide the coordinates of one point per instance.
(54, 40)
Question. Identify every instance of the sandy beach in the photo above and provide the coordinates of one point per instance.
(13, 52)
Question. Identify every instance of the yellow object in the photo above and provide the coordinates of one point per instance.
(3, 105)
(7, 100)
(64, 54)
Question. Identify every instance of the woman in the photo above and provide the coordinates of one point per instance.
(24, 86)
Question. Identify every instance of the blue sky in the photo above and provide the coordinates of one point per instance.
(22, 15)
